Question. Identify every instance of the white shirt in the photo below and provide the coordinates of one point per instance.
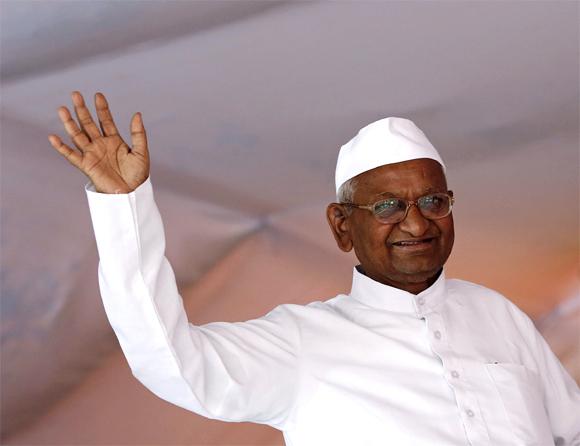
(457, 364)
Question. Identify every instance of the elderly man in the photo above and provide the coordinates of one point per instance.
(408, 357)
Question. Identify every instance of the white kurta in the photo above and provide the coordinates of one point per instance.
(457, 364)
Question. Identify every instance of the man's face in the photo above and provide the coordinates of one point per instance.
(412, 267)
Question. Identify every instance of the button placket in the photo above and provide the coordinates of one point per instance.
(437, 331)
(457, 377)
(472, 418)
(453, 370)
(420, 307)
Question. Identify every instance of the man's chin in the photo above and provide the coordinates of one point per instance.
(420, 275)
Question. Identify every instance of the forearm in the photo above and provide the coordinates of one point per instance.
(142, 302)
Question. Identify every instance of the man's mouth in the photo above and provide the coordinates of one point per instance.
(412, 243)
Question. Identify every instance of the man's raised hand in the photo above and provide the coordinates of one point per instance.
(102, 155)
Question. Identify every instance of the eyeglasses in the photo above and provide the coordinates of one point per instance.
(394, 210)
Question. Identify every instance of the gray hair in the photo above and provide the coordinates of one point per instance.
(346, 192)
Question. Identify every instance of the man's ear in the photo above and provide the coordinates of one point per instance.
(337, 217)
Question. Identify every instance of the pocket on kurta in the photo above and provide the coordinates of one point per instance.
(521, 393)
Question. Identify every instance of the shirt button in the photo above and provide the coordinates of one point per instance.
(421, 300)
(437, 334)
(455, 374)
(470, 413)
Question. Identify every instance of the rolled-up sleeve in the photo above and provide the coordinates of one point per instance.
(242, 371)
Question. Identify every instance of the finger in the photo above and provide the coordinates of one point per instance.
(84, 116)
(79, 138)
(71, 155)
(138, 135)
(108, 126)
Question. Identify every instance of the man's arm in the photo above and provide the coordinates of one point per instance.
(561, 393)
(242, 371)
(229, 371)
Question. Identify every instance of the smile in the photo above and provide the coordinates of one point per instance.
(418, 244)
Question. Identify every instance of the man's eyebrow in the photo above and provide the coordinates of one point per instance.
(428, 190)
(386, 193)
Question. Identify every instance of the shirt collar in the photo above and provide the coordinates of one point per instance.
(377, 295)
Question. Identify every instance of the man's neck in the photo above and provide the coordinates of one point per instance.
(410, 287)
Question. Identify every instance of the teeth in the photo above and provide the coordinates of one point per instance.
(411, 243)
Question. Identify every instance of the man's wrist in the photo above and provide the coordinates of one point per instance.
(118, 190)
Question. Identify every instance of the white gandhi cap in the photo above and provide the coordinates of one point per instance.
(386, 141)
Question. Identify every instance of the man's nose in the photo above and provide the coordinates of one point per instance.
(414, 223)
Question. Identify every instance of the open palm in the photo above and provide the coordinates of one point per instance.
(102, 155)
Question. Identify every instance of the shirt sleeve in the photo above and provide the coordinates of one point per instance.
(561, 393)
(242, 371)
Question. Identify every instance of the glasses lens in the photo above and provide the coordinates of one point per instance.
(435, 206)
(390, 210)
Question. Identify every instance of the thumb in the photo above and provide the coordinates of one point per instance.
(138, 136)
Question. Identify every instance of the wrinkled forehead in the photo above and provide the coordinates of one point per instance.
(407, 179)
